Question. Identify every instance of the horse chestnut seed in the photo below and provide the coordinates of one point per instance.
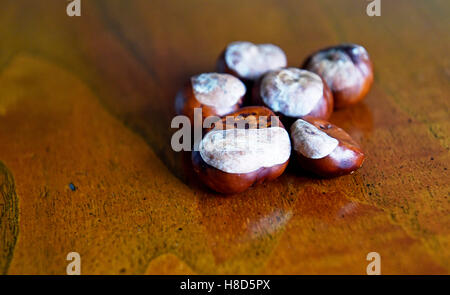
(246, 147)
(324, 148)
(346, 68)
(249, 61)
(294, 93)
(217, 95)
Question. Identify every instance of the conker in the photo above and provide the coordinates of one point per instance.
(346, 68)
(324, 149)
(217, 94)
(246, 147)
(294, 93)
(249, 61)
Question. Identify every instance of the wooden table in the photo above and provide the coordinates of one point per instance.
(85, 110)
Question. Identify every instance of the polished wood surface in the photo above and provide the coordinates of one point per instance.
(86, 164)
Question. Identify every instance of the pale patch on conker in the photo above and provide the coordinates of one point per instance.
(245, 150)
(310, 141)
(251, 61)
(337, 69)
(217, 90)
(292, 92)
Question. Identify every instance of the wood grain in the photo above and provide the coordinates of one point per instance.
(88, 101)
(9, 218)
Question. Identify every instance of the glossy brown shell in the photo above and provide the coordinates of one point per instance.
(352, 95)
(337, 163)
(230, 183)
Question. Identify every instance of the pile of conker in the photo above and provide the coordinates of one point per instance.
(300, 99)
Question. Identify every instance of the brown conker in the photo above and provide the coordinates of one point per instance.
(217, 94)
(294, 93)
(346, 68)
(249, 61)
(324, 149)
(242, 149)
